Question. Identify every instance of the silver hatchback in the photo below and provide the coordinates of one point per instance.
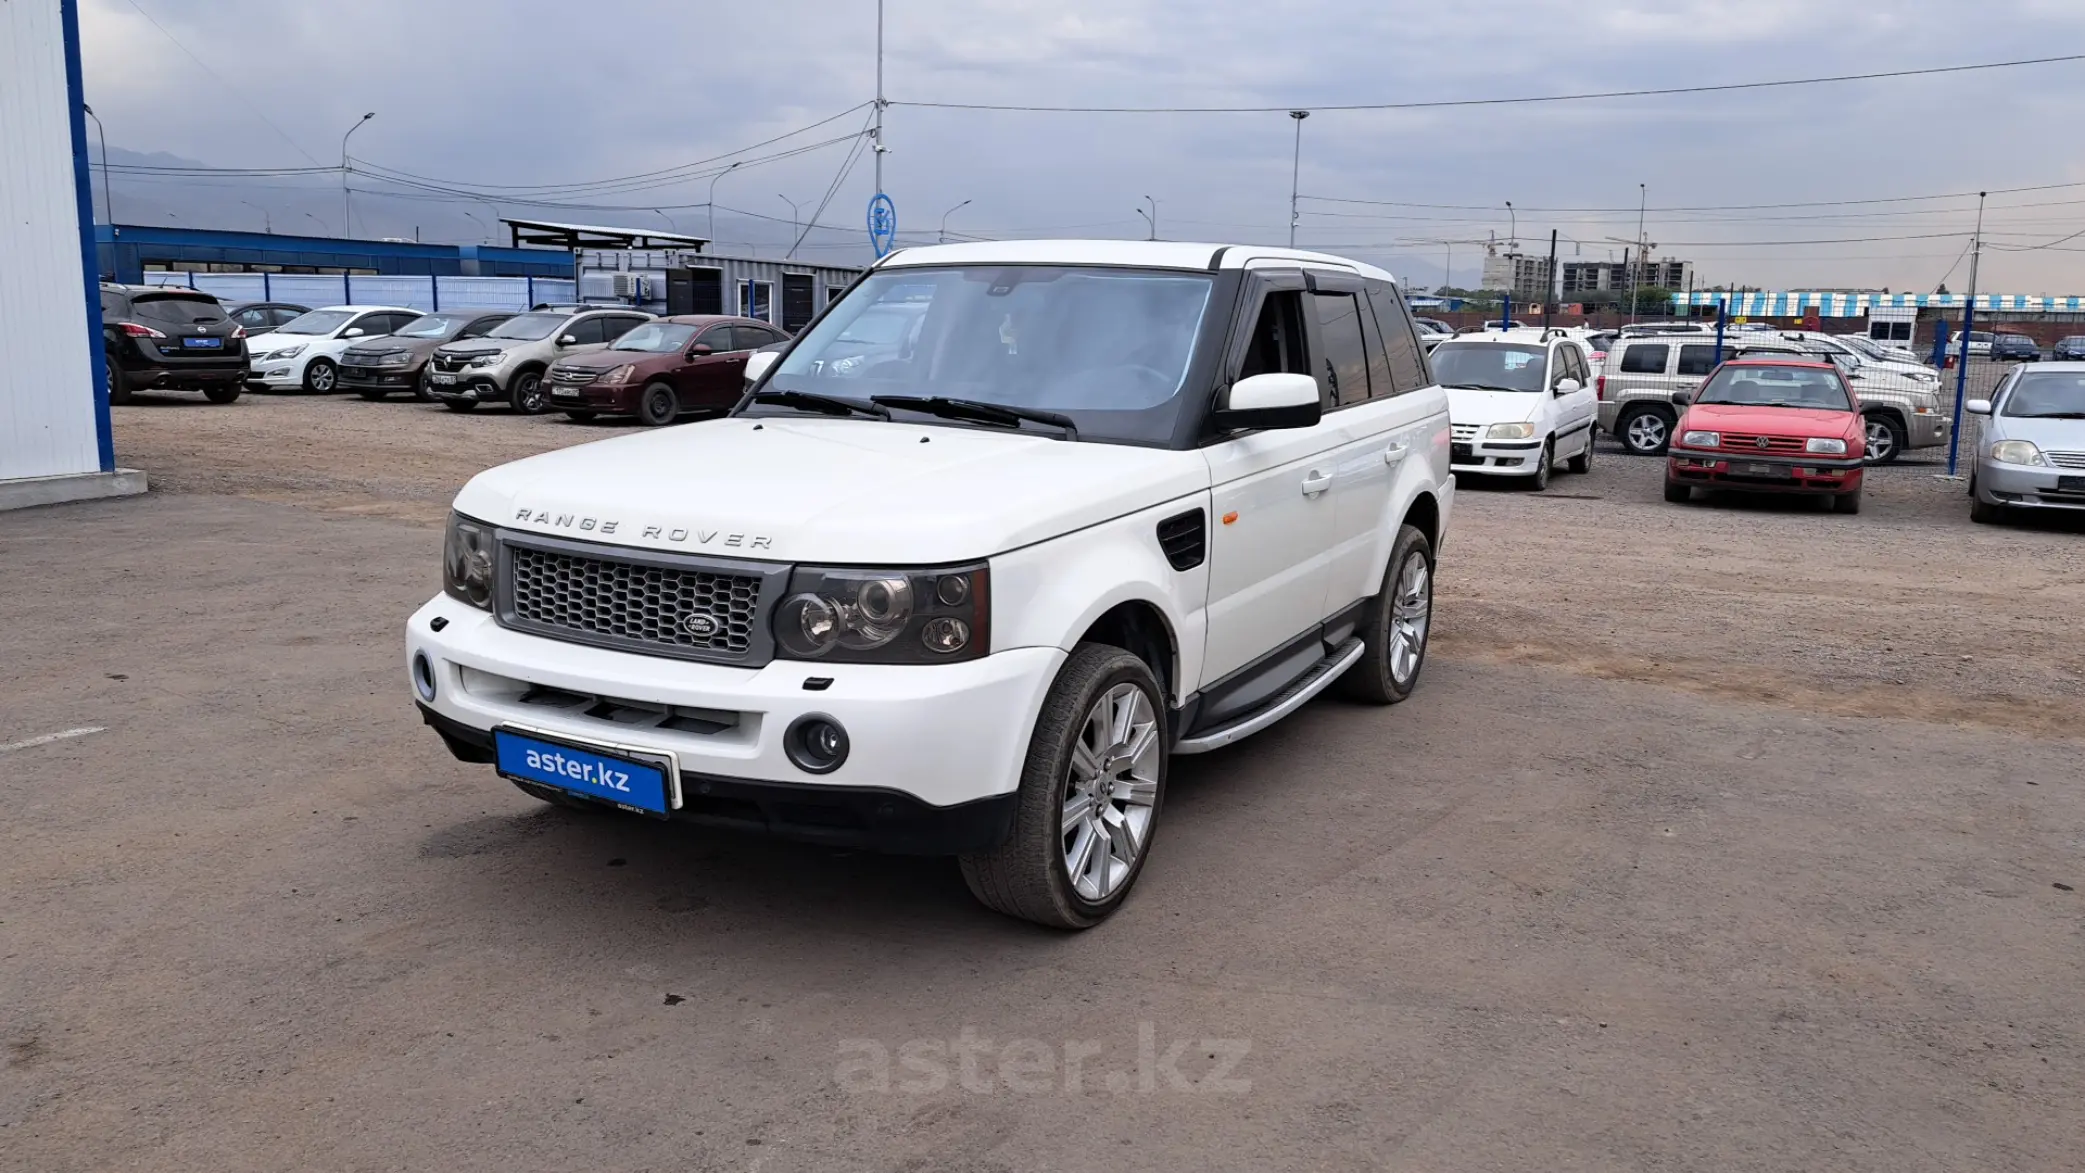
(2032, 454)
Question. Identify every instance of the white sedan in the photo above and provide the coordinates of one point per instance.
(303, 354)
(1518, 404)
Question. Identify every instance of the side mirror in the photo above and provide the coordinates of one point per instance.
(1271, 401)
(1567, 386)
(351, 332)
(1682, 398)
(568, 340)
(757, 364)
(1977, 407)
(700, 349)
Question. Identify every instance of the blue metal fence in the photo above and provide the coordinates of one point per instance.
(420, 293)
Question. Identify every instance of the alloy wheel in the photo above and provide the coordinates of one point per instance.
(322, 377)
(1646, 432)
(1110, 791)
(1881, 443)
(1411, 612)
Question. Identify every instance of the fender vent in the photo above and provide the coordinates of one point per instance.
(1184, 539)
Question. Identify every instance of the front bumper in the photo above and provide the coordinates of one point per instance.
(611, 397)
(927, 738)
(468, 386)
(2022, 487)
(1925, 429)
(1498, 458)
(379, 378)
(1742, 472)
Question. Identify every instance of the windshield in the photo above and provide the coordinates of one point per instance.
(1108, 348)
(2047, 395)
(179, 310)
(316, 322)
(1489, 366)
(528, 327)
(656, 338)
(431, 326)
(1765, 386)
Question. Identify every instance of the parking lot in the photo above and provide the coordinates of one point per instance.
(1726, 836)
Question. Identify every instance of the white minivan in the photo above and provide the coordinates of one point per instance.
(1519, 403)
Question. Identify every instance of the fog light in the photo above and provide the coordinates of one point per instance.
(815, 743)
(423, 677)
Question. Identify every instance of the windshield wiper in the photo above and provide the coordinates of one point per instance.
(823, 404)
(1488, 387)
(2052, 415)
(972, 409)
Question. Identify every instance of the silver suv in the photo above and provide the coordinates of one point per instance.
(506, 365)
(1903, 408)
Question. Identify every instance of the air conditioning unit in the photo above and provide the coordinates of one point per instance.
(630, 285)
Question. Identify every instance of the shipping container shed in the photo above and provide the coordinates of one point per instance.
(55, 443)
(126, 252)
(679, 281)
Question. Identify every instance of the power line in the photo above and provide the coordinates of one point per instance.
(1458, 102)
(251, 107)
(1957, 195)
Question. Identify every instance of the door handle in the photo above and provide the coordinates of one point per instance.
(1397, 454)
(1316, 482)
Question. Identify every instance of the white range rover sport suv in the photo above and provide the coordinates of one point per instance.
(1109, 503)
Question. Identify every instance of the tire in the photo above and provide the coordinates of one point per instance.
(1545, 467)
(1847, 502)
(460, 404)
(1885, 439)
(320, 377)
(1028, 876)
(1983, 512)
(119, 385)
(224, 393)
(1645, 431)
(658, 405)
(527, 395)
(1398, 623)
(422, 391)
(1583, 462)
(1677, 493)
(554, 797)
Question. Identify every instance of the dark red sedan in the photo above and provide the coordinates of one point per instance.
(1769, 426)
(662, 369)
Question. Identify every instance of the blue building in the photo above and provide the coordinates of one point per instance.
(126, 252)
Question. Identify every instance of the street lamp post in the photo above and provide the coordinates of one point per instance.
(794, 212)
(713, 202)
(347, 212)
(108, 194)
(317, 221)
(1150, 220)
(267, 225)
(480, 223)
(1295, 172)
(943, 238)
(1512, 229)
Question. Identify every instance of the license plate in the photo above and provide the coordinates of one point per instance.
(441, 380)
(355, 372)
(1764, 470)
(627, 782)
(203, 343)
(1459, 451)
(564, 392)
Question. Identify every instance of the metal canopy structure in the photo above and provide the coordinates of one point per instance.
(578, 236)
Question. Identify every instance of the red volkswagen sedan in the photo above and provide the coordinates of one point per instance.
(1769, 425)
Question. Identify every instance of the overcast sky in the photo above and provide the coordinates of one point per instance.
(539, 92)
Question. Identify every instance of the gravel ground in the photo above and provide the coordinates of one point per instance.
(1701, 847)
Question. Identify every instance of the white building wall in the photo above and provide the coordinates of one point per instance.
(48, 411)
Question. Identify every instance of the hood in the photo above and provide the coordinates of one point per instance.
(1468, 405)
(607, 360)
(1803, 422)
(846, 491)
(2047, 435)
(484, 345)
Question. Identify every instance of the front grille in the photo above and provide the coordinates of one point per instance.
(450, 364)
(2066, 459)
(1735, 442)
(565, 376)
(1462, 433)
(662, 609)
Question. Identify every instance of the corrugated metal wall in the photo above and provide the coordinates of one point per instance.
(597, 269)
(47, 354)
(419, 293)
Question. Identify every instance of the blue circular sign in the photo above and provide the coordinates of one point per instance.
(883, 224)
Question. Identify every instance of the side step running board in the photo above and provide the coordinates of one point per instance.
(1288, 701)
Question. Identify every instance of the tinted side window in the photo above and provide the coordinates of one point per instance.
(1644, 359)
(1277, 343)
(1696, 359)
(112, 307)
(1379, 382)
(586, 330)
(718, 339)
(616, 325)
(1344, 365)
(1408, 368)
(753, 337)
(177, 311)
(478, 328)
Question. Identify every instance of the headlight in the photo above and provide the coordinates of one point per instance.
(490, 360)
(1825, 447)
(899, 616)
(2015, 452)
(620, 374)
(1701, 440)
(397, 359)
(1510, 432)
(467, 562)
(289, 351)
(1926, 377)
